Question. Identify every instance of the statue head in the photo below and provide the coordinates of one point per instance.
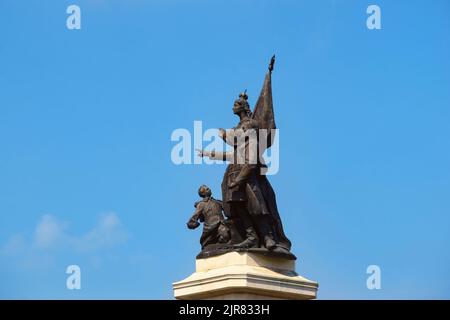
(241, 104)
(204, 191)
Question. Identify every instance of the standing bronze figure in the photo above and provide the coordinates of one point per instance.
(248, 199)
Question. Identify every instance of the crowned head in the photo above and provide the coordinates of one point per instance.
(241, 104)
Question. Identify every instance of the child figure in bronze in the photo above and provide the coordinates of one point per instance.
(209, 211)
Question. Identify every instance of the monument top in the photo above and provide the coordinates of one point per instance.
(247, 218)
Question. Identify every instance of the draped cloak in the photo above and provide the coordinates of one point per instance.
(255, 191)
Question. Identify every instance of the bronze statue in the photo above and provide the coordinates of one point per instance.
(209, 211)
(248, 199)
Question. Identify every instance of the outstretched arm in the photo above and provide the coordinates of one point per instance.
(216, 155)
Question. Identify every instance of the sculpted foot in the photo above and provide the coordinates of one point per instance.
(247, 243)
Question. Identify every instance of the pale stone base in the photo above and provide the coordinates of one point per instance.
(245, 276)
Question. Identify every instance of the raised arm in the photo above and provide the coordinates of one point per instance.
(198, 215)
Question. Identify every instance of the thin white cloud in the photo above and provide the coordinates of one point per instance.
(51, 233)
(15, 244)
(108, 232)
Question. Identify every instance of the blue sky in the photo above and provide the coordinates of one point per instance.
(86, 118)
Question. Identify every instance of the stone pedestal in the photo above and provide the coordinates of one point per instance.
(243, 275)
